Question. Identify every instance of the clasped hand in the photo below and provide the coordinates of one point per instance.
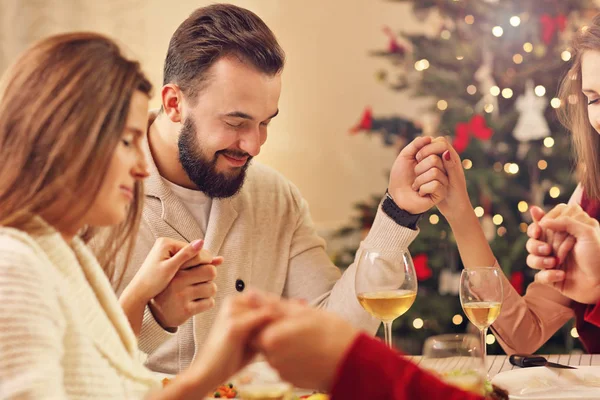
(564, 246)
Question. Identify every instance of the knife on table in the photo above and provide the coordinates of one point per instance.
(524, 361)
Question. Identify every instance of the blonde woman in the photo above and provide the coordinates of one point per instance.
(73, 115)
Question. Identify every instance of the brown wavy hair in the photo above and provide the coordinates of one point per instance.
(63, 108)
(213, 32)
(574, 113)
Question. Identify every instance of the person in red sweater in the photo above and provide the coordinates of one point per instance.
(316, 349)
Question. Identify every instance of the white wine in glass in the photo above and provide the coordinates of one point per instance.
(387, 305)
(481, 298)
(386, 285)
(482, 314)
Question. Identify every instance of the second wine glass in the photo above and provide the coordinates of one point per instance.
(386, 285)
(481, 298)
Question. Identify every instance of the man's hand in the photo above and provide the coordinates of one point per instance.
(165, 261)
(432, 184)
(456, 200)
(189, 291)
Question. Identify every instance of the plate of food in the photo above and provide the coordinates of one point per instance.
(543, 383)
(473, 381)
(258, 381)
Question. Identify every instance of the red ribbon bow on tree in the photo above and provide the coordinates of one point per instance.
(394, 46)
(476, 127)
(550, 25)
(421, 268)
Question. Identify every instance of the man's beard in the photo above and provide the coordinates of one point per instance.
(202, 171)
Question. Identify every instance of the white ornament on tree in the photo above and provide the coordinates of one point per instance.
(532, 124)
(486, 82)
(449, 282)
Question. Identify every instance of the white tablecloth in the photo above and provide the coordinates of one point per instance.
(497, 364)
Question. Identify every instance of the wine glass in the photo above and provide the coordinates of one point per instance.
(456, 359)
(481, 298)
(385, 285)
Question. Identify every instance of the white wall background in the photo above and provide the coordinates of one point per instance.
(327, 82)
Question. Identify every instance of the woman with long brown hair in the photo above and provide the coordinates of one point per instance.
(565, 242)
(73, 116)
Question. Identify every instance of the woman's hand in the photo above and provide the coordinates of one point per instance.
(165, 259)
(306, 345)
(441, 153)
(547, 249)
(230, 344)
(580, 279)
(228, 348)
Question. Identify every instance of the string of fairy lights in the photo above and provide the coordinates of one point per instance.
(508, 168)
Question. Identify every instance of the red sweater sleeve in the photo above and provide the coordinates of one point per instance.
(371, 371)
(592, 314)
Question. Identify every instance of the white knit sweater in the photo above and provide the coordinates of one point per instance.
(63, 334)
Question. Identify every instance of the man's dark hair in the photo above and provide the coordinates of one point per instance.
(212, 32)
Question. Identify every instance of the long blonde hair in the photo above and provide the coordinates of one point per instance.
(63, 108)
(574, 113)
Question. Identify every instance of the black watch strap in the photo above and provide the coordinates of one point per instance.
(400, 216)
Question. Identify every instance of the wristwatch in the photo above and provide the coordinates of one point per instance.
(400, 216)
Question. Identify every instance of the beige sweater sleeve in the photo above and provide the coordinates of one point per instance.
(31, 329)
(314, 277)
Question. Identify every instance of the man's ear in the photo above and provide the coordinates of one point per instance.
(172, 101)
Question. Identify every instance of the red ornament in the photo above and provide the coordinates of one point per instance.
(394, 46)
(422, 269)
(550, 25)
(517, 280)
(366, 122)
(475, 127)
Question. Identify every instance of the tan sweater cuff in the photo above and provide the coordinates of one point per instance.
(152, 334)
(387, 234)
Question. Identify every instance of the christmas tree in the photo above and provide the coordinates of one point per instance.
(492, 71)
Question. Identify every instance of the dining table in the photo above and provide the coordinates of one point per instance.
(499, 363)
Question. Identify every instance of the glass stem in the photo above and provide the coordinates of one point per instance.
(484, 346)
(387, 327)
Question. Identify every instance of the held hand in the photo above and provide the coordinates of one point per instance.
(548, 249)
(307, 345)
(165, 259)
(190, 288)
(580, 279)
(456, 200)
(432, 185)
(229, 346)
